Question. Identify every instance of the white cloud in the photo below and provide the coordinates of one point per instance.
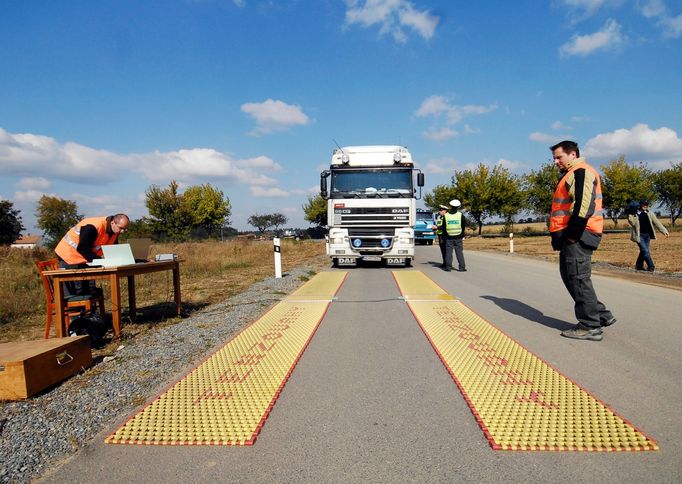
(513, 166)
(543, 137)
(274, 115)
(392, 16)
(640, 143)
(608, 37)
(28, 195)
(34, 183)
(652, 8)
(657, 9)
(588, 7)
(471, 130)
(441, 166)
(558, 126)
(272, 192)
(436, 106)
(39, 158)
(441, 134)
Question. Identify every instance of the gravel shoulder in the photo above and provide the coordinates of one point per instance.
(48, 428)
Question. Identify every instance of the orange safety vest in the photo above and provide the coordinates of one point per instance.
(67, 247)
(562, 204)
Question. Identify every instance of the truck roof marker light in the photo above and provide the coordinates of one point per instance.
(397, 158)
(345, 159)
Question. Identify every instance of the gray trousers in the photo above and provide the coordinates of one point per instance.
(575, 266)
(458, 246)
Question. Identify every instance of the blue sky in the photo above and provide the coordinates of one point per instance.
(100, 100)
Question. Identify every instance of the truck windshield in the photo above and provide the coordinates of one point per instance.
(425, 216)
(371, 183)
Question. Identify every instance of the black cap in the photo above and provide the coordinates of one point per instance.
(644, 202)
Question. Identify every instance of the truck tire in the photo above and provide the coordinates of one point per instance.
(335, 262)
(430, 242)
(408, 262)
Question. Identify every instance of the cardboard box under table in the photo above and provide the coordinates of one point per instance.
(27, 367)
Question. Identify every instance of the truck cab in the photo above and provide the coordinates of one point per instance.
(371, 198)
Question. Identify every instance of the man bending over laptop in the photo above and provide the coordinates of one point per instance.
(83, 243)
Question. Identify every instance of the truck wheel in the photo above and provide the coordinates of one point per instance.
(335, 262)
(430, 242)
(408, 262)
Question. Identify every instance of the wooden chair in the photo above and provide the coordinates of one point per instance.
(70, 303)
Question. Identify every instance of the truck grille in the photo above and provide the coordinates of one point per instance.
(372, 216)
(370, 238)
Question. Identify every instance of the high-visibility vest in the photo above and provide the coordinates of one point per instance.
(453, 223)
(562, 203)
(67, 247)
(439, 226)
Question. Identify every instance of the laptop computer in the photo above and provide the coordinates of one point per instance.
(115, 255)
(140, 248)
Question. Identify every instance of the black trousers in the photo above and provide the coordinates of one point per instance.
(575, 266)
(458, 246)
(441, 243)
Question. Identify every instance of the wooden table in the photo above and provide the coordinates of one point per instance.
(114, 275)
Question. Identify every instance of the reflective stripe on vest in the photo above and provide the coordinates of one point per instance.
(453, 223)
(562, 204)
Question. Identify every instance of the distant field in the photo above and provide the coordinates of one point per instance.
(616, 249)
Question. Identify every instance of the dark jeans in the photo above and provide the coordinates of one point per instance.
(575, 266)
(458, 246)
(644, 252)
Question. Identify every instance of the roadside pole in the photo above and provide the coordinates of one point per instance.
(511, 243)
(278, 258)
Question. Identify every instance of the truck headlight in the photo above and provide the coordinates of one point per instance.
(406, 240)
(337, 240)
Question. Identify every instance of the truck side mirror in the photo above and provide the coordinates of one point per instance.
(323, 185)
(420, 179)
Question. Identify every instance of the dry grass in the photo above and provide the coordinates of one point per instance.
(210, 272)
(615, 249)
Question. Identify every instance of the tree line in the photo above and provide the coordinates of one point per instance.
(201, 211)
(487, 192)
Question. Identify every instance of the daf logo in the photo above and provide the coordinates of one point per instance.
(342, 210)
(399, 210)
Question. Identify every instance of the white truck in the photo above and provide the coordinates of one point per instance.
(371, 202)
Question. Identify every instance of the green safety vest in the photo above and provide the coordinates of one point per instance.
(439, 226)
(453, 223)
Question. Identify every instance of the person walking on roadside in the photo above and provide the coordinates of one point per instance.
(576, 226)
(452, 225)
(442, 210)
(643, 222)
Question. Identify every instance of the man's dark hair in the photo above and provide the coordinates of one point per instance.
(567, 146)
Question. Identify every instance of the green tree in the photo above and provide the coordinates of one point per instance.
(623, 183)
(261, 222)
(441, 195)
(169, 215)
(209, 208)
(668, 187)
(10, 223)
(539, 189)
(278, 219)
(55, 216)
(485, 192)
(315, 210)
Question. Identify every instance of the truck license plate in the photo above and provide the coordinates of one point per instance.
(374, 258)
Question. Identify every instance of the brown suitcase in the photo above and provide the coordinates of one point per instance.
(27, 367)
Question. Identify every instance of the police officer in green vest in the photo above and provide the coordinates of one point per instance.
(442, 210)
(452, 226)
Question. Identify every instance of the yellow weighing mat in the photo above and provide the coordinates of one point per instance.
(226, 399)
(520, 402)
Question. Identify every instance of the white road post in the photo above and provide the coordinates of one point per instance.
(278, 258)
(511, 243)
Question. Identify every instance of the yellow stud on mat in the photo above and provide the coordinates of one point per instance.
(226, 399)
(520, 402)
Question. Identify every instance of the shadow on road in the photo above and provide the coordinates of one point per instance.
(524, 310)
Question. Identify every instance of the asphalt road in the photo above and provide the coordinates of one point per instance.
(370, 401)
